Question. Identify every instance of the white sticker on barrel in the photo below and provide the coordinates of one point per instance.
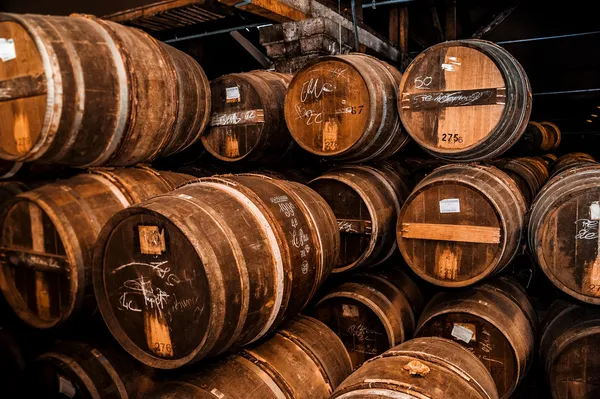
(232, 94)
(66, 387)
(7, 49)
(462, 333)
(450, 205)
(217, 393)
(349, 310)
(595, 210)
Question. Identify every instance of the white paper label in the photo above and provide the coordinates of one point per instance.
(66, 387)
(450, 205)
(349, 310)
(595, 210)
(217, 393)
(7, 49)
(232, 93)
(462, 333)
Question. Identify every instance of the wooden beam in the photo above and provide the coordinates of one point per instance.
(272, 9)
(403, 28)
(451, 20)
(149, 10)
(394, 27)
(451, 232)
(493, 24)
(435, 20)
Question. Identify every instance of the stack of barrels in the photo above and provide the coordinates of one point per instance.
(286, 251)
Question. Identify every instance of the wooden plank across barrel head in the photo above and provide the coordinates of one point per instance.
(343, 107)
(563, 232)
(247, 121)
(366, 200)
(421, 368)
(495, 321)
(304, 359)
(569, 350)
(85, 92)
(214, 265)
(465, 100)
(371, 312)
(461, 224)
(48, 234)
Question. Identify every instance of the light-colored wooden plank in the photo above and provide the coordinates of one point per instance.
(451, 232)
(42, 294)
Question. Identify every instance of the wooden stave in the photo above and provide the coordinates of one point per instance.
(459, 371)
(570, 161)
(515, 116)
(321, 358)
(270, 88)
(393, 298)
(495, 298)
(248, 330)
(560, 188)
(532, 172)
(536, 139)
(378, 188)
(565, 324)
(65, 114)
(512, 193)
(554, 131)
(77, 228)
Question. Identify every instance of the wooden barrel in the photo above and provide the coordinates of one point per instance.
(465, 100)
(88, 92)
(537, 139)
(572, 160)
(372, 312)
(554, 131)
(366, 201)
(420, 368)
(82, 370)
(529, 174)
(343, 106)
(304, 359)
(461, 224)
(48, 234)
(9, 190)
(247, 121)
(9, 168)
(219, 264)
(494, 320)
(569, 351)
(563, 232)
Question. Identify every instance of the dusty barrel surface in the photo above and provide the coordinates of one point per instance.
(461, 224)
(569, 348)
(572, 160)
(48, 234)
(420, 368)
(495, 321)
(88, 371)
(465, 100)
(529, 174)
(343, 106)
(366, 200)
(304, 359)
(86, 92)
(563, 232)
(371, 312)
(247, 121)
(212, 266)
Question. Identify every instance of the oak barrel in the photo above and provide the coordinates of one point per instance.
(465, 100)
(371, 312)
(569, 351)
(304, 359)
(495, 321)
(89, 371)
(214, 265)
(420, 368)
(88, 92)
(9, 168)
(563, 232)
(48, 234)
(343, 106)
(554, 131)
(247, 121)
(461, 224)
(366, 200)
(572, 160)
(530, 174)
(537, 138)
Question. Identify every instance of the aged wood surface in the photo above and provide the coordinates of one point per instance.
(48, 234)
(477, 198)
(495, 321)
(530, 174)
(214, 265)
(572, 160)
(371, 312)
(465, 100)
(304, 359)
(87, 92)
(420, 368)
